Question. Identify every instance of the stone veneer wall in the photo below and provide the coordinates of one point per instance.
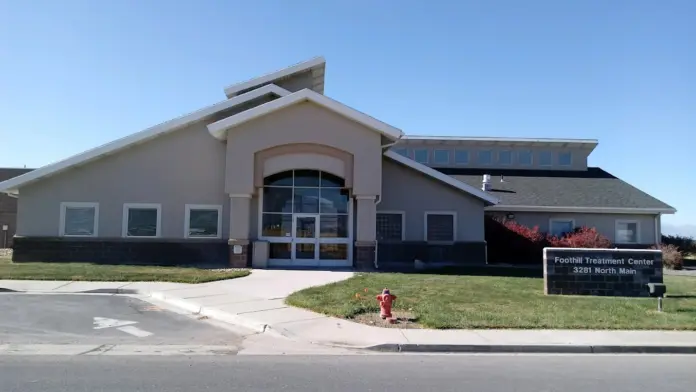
(208, 253)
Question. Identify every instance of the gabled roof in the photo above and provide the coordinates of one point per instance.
(591, 190)
(477, 192)
(12, 185)
(219, 129)
(316, 65)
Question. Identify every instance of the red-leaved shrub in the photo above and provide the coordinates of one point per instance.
(584, 237)
(672, 258)
(530, 233)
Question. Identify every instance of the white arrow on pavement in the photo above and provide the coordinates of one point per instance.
(103, 322)
(122, 325)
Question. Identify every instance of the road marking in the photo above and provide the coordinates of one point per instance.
(103, 322)
(135, 331)
(122, 325)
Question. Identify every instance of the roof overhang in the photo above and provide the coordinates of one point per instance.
(588, 144)
(219, 129)
(316, 66)
(486, 197)
(582, 210)
(12, 185)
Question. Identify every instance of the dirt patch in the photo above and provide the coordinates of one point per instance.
(403, 320)
(6, 252)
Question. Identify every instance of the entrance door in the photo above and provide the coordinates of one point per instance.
(305, 244)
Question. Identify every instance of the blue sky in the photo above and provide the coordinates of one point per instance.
(76, 74)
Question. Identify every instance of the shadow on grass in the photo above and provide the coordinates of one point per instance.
(680, 296)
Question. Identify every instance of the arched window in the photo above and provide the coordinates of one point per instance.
(304, 192)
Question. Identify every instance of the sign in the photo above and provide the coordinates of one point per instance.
(5, 228)
(606, 272)
(122, 325)
(237, 249)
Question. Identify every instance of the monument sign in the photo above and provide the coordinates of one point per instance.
(607, 272)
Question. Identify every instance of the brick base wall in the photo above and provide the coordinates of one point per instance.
(122, 251)
(406, 252)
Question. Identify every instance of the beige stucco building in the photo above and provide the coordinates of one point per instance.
(278, 174)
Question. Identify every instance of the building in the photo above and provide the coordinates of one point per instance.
(8, 208)
(280, 174)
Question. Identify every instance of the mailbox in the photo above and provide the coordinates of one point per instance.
(657, 289)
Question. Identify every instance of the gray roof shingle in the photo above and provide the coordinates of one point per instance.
(553, 188)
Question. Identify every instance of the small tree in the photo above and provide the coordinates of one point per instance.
(584, 237)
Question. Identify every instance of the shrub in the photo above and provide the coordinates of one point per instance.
(684, 243)
(672, 258)
(530, 233)
(584, 237)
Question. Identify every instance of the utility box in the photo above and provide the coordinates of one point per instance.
(259, 258)
(657, 289)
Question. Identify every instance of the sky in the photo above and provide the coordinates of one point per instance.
(78, 74)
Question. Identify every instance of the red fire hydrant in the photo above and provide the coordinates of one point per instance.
(385, 304)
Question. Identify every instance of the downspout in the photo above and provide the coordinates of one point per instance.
(658, 234)
(377, 201)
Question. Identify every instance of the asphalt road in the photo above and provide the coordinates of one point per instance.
(401, 373)
(70, 319)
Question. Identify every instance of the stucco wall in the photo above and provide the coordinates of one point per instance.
(404, 189)
(298, 124)
(184, 167)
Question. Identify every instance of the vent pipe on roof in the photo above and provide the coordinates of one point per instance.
(486, 182)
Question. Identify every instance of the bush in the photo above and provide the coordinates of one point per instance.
(672, 258)
(684, 243)
(531, 234)
(584, 237)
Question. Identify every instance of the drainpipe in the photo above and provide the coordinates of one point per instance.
(658, 234)
(385, 146)
(377, 201)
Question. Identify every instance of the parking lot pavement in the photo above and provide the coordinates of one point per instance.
(28, 319)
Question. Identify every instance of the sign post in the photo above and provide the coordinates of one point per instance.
(605, 272)
(4, 236)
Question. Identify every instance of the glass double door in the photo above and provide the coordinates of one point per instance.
(315, 244)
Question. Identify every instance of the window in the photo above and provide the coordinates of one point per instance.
(390, 226)
(79, 219)
(505, 157)
(461, 157)
(524, 157)
(545, 158)
(441, 157)
(421, 155)
(142, 220)
(561, 227)
(203, 221)
(401, 151)
(485, 157)
(565, 159)
(627, 232)
(304, 192)
(440, 226)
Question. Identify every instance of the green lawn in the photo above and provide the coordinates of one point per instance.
(455, 301)
(112, 273)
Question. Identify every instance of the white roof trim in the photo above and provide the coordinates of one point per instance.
(297, 68)
(503, 139)
(12, 185)
(589, 210)
(442, 177)
(219, 129)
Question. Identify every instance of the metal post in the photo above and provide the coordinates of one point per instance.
(659, 304)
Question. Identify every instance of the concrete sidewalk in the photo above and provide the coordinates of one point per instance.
(257, 302)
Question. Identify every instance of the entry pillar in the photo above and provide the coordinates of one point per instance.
(366, 244)
(239, 245)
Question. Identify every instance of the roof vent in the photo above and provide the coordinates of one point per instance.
(486, 182)
(502, 178)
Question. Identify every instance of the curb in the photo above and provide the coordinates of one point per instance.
(539, 349)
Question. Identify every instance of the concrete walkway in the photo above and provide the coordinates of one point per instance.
(257, 302)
